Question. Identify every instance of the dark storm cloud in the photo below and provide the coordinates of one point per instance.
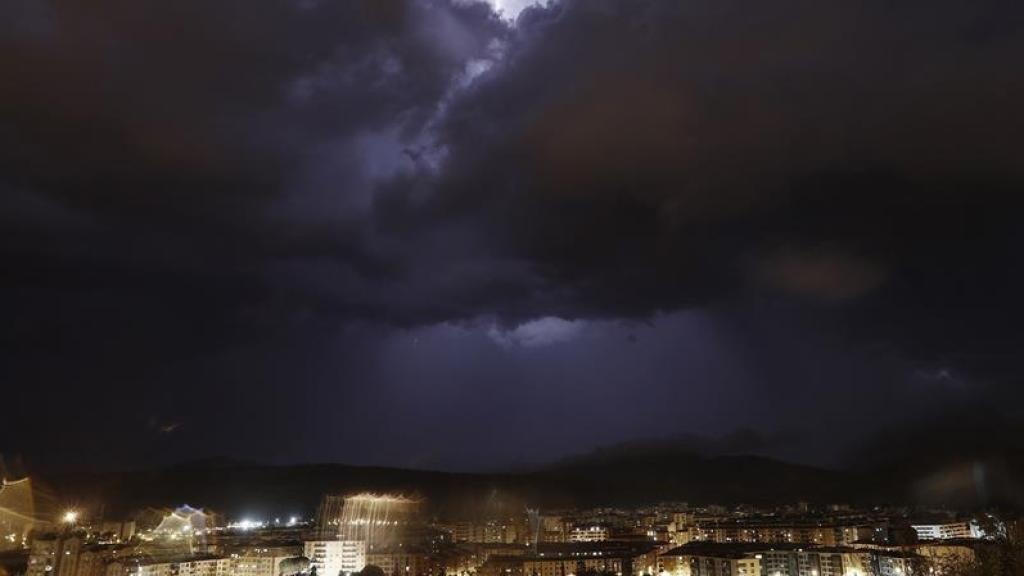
(656, 155)
(167, 169)
(185, 137)
(205, 202)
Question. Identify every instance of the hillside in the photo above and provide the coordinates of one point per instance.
(631, 477)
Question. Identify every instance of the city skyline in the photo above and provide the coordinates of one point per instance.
(390, 534)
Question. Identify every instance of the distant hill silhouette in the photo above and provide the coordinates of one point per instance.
(633, 475)
(909, 469)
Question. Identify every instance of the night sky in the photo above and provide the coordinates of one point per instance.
(468, 236)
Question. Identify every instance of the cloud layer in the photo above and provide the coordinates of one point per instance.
(209, 204)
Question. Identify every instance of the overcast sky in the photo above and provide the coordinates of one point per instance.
(460, 235)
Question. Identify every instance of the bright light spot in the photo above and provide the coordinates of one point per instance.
(540, 332)
(70, 517)
(510, 9)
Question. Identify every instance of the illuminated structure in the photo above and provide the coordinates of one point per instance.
(43, 557)
(709, 559)
(589, 534)
(353, 556)
(506, 531)
(351, 527)
(757, 559)
(324, 556)
(835, 561)
(552, 528)
(268, 561)
(947, 530)
(376, 519)
(533, 524)
(565, 559)
(328, 517)
(810, 533)
(893, 563)
(184, 520)
(182, 531)
(116, 532)
(189, 566)
(17, 513)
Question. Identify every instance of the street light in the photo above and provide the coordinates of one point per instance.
(70, 517)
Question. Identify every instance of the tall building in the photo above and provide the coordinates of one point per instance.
(353, 556)
(43, 556)
(189, 566)
(506, 531)
(809, 533)
(334, 557)
(833, 562)
(17, 511)
(946, 530)
(552, 528)
(69, 553)
(588, 534)
(261, 560)
(896, 563)
(565, 559)
(324, 556)
(725, 564)
(714, 559)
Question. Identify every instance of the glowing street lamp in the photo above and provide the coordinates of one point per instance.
(70, 517)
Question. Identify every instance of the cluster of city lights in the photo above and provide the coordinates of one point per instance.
(250, 524)
(247, 524)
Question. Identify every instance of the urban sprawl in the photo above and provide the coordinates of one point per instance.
(394, 535)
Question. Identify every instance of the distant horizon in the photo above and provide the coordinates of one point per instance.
(1001, 437)
(684, 442)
